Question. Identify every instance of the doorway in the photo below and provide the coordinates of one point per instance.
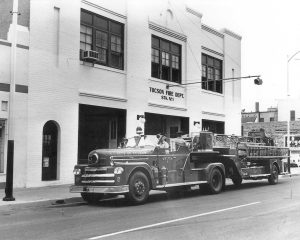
(165, 124)
(99, 127)
(49, 152)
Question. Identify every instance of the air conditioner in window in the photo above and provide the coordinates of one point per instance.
(90, 56)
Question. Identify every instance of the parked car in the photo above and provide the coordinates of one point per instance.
(294, 164)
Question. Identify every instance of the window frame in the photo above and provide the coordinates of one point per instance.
(169, 69)
(217, 127)
(110, 34)
(211, 71)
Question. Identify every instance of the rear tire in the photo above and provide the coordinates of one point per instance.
(92, 198)
(138, 188)
(215, 182)
(273, 178)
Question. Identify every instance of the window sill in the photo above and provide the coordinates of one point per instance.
(87, 64)
(212, 93)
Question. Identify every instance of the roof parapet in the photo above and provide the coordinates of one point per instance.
(231, 33)
(195, 13)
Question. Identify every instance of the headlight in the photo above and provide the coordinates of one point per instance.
(118, 170)
(93, 158)
(77, 171)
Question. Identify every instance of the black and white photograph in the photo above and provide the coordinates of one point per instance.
(149, 119)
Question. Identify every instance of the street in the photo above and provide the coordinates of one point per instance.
(256, 210)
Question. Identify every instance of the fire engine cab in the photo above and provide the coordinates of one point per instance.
(154, 162)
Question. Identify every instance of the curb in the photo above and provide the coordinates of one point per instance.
(45, 202)
(290, 175)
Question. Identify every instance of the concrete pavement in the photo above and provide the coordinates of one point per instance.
(59, 194)
(55, 194)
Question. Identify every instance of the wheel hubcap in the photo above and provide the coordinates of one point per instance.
(216, 181)
(139, 188)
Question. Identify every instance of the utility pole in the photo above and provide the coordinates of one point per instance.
(10, 122)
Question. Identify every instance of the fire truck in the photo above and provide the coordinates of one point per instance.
(154, 162)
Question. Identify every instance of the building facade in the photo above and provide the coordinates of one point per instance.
(88, 71)
(270, 115)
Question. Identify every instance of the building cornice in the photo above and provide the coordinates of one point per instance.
(211, 30)
(212, 51)
(192, 11)
(158, 28)
(103, 9)
(165, 106)
(93, 95)
(232, 34)
(213, 114)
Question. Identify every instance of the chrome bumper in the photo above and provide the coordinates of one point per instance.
(99, 189)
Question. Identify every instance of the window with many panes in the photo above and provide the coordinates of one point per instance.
(211, 74)
(104, 36)
(165, 60)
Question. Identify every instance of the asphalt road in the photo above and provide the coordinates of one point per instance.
(256, 210)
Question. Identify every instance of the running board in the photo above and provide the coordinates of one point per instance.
(180, 184)
(260, 175)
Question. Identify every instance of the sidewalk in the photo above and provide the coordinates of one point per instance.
(60, 194)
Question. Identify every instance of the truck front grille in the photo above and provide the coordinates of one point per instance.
(102, 176)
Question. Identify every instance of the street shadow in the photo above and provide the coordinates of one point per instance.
(160, 196)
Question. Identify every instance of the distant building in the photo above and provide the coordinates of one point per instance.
(286, 110)
(270, 115)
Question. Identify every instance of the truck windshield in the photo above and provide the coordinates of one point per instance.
(148, 141)
(144, 141)
(133, 142)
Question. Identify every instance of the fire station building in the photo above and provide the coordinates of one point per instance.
(88, 71)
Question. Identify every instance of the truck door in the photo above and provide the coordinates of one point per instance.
(174, 160)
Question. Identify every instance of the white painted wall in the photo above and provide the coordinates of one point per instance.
(54, 84)
(20, 103)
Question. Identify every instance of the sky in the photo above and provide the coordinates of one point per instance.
(270, 31)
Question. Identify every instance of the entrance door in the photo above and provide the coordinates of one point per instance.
(49, 158)
(113, 133)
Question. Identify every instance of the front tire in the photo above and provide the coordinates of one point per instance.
(138, 188)
(92, 198)
(215, 182)
(273, 178)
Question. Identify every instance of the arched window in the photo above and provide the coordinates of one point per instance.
(49, 156)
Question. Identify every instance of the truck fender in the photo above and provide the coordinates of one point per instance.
(130, 168)
(209, 166)
(234, 163)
